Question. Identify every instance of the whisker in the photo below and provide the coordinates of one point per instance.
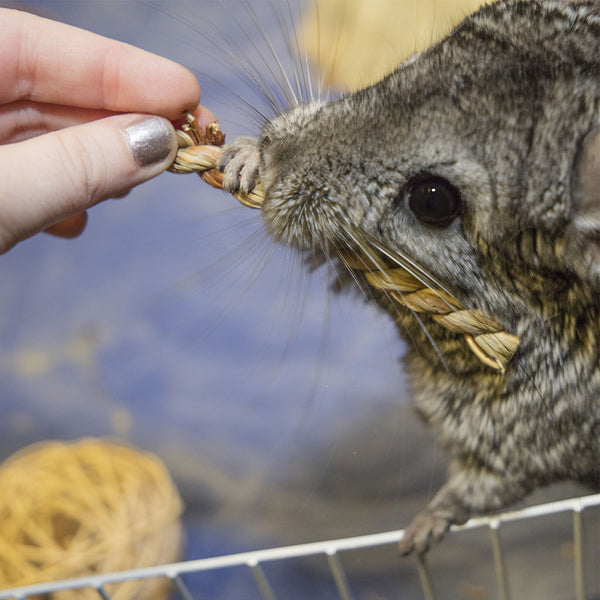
(232, 58)
(274, 54)
(295, 287)
(550, 414)
(323, 353)
(287, 38)
(429, 338)
(360, 256)
(364, 248)
(251, 275)
(413, 268)
(309, 75)
(245, 69)
(254, 113)
(237, 257)
(361, 285)
(365, 251)
(298, 51)
(247, 63)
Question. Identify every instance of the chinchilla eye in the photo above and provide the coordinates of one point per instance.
(433, 200)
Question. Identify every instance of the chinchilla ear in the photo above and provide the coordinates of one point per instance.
(584, 229)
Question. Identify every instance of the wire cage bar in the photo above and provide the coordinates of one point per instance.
(331, 550)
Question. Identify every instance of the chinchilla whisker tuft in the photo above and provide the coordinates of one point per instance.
(367, 257)
(250, 54)
(251, 112)
(277, 69)
(280, 96)
(296, 47)
(405, 262)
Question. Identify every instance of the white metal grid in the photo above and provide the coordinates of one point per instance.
(331, 550)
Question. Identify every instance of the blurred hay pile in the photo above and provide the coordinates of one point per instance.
(354, 43)
(83, 508)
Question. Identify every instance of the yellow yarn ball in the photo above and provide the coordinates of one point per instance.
(87, 507)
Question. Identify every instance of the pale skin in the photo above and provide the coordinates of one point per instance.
(66, 98)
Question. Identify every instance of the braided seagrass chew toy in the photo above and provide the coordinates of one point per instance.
(492, 345)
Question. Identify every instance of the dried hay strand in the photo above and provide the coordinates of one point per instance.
(492, 345)
(84, 508)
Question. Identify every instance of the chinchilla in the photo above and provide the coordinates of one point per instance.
(475, 166)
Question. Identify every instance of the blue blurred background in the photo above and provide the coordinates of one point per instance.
(280, 408)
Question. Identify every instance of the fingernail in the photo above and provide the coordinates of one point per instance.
(152, 141)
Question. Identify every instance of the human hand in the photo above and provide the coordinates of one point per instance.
(66, 144)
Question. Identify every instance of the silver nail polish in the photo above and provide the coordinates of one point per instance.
(152, 140)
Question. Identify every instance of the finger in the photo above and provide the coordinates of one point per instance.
(24, 119)
(71, 227)
(51, 62)
(57, 175)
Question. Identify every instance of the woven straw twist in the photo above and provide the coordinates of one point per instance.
(486, 338)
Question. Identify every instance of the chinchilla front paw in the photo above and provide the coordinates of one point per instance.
(428, 527)
(240, 164)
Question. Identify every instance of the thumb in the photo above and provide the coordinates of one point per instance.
(54, 176)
